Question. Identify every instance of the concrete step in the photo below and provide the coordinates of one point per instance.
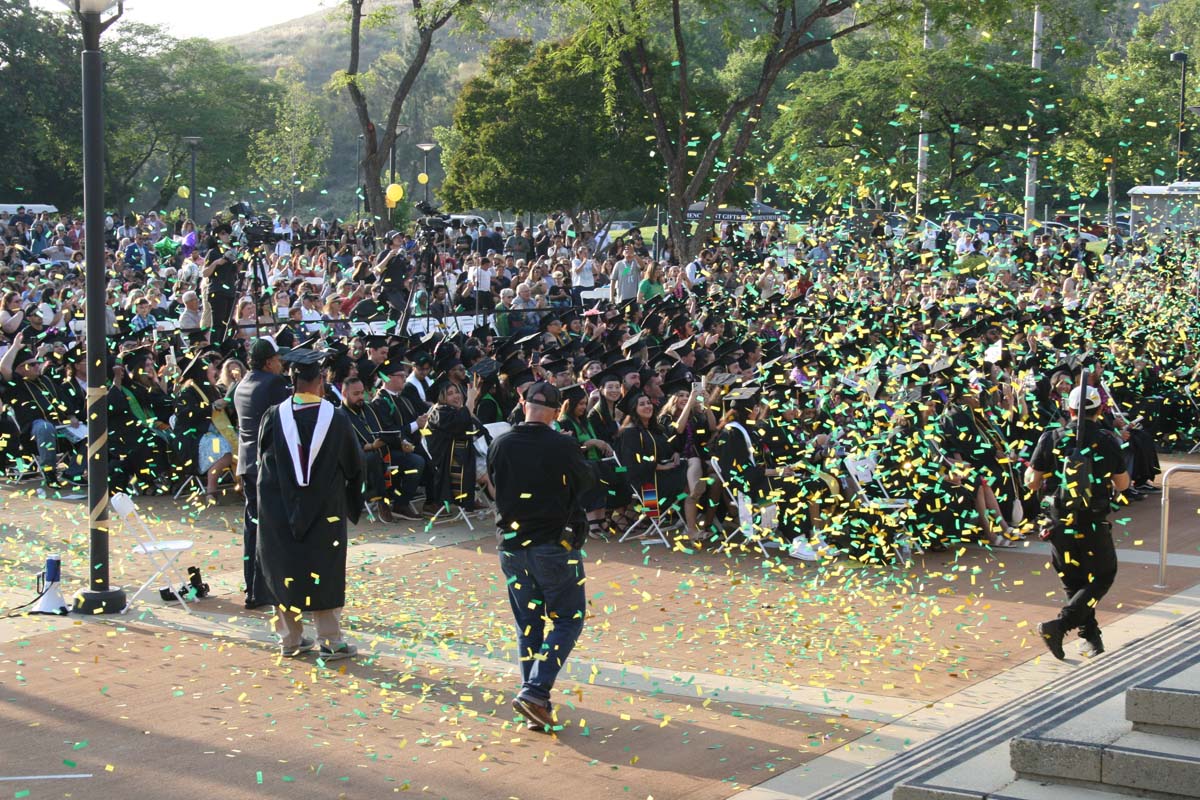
(1040, 790)
(926, 791)
(1139, 763)
(1165, 711)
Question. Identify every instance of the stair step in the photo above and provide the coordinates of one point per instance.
(1137, 762)
(1027, 789)
(1165, 711)
(926, 791)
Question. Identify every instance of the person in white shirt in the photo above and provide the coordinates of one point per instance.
(583, 274)
(698, 269)
(481, 276)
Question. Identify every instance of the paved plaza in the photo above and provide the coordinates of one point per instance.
(698, 675)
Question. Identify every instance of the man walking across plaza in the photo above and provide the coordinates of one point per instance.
(1086, 469)
(540, 475)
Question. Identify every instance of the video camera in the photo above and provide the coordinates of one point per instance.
(434, 221)
(257, 230)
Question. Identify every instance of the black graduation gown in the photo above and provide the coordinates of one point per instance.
(302, 530)
(733, 457)
(641, 451)
(452, 435)
(193, 415)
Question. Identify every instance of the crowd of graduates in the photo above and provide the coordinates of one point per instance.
(880, 389)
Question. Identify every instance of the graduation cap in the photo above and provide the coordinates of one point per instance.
(556, 366)
(548, 320)
(304, 356)
(677, 379)
(505, 347)
(448, 362)
(742, 396)
(628, 403)
(681, 348)
(202, 357)
(617, 371)
(573, 394)
(530, 339)
(569, 316)
(374, 341)
(639, 339)
(484, 368)
(392, 366)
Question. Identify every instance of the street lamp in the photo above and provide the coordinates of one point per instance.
(425, 147)
(99, 597)
(1180, 58)
(400, 130)
(193, 142)
(358, 175)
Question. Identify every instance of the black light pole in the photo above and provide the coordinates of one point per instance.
(99, 597)
(400, 129)
(426, 147)
(193, 142)
(1181, 59)
(358, 175)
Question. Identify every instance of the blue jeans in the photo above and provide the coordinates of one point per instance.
(46, 437)
(545, 583)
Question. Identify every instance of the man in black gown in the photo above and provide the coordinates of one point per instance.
(310, 479)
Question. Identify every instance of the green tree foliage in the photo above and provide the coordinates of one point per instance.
(522, 142)
(853, 129)
(161, 89)
(157, 90)
(1128, 106)
(39, 94)
(291, 155)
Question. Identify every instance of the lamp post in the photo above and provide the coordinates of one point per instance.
(425, 147)
(193, 142)
(99, 597)
(400, 130)
(358, 175)
(1180, 58)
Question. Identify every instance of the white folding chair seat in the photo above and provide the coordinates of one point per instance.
(860, 474)
(750, 531)
(162, 553)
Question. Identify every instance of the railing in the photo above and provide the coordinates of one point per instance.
(1166, 513)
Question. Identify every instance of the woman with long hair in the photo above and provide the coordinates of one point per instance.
(652, 466)
(689, 424)
(610, 493)
(651, 285)
(453, 431)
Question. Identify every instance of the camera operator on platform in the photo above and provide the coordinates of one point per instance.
(219, 282)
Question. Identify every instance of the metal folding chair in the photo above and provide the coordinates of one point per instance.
(750, 531)
(860, 473)
(162, 553)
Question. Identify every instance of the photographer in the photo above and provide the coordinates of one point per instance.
(392, 271)
(219, 282)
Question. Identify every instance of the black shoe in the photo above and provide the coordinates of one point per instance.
(1093, 645)
(1148, 488)
(1137, 497)
(1052, 635)
(253, 605)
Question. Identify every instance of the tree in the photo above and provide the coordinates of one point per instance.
(1128, 108)
(853, 129)
(627, 33)
(161, 89)
(39, 92)
(427, 18)
(294, 150)
(524, 143)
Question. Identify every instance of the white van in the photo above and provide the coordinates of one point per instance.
(467, 220)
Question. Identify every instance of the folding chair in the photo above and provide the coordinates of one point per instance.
(649, 513)
(745, 511)
(163, 553)
(860, 473)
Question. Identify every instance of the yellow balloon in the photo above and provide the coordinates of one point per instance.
(422, 179)
(395, 192)
(184, 192)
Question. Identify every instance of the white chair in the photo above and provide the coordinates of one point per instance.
(648, 515)
(861, 474)
(750, 531)
(162, 553)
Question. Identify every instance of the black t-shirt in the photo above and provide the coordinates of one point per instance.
(223, 281)
(1101, 443)
(395, 269)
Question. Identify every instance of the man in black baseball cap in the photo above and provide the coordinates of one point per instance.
(540, 477)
